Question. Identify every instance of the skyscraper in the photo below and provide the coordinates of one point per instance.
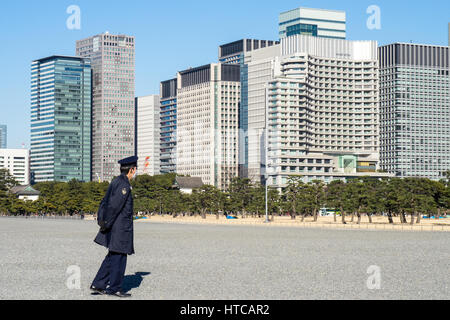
(415, 110)
(262, 66)
(61, 119)
(148, 134)
(234, 53)
(313, 22)
(168, 127)
(3, 136)
(113, 106)
(207, 123)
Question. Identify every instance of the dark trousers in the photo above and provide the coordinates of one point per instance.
(111, 272)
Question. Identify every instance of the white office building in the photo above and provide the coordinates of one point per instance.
(320, 98)
(207, 123)
(415, 110)
(17, 161)
(313, 22)
(148, 134)
(262, 66)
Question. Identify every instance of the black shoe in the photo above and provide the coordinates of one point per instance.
(120, 294)
(97, 291)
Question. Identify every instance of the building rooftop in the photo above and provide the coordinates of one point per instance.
(315, 9)
(60, 57)
(24, 191)
(415, 44)
(188, 183)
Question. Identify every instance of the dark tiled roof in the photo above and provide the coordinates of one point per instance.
(24, 191)
(188, 182)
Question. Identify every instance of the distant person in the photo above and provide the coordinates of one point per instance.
(115, 218)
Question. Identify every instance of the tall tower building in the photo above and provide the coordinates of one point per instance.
(61, 119)
(207, 123)
(262, 66)
(313, 22)
(415, 110)
(148, 134)
(3, 136)
(234, 53)
(113, 103)
(168, 139)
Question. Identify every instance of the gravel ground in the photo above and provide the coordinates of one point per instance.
(214, 262)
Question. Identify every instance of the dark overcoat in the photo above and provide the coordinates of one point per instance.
(115, 216)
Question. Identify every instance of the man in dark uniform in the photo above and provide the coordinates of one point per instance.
(115, 218)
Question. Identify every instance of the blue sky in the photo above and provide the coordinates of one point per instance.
(177, 34)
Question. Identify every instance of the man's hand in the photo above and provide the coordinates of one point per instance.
(103, 227)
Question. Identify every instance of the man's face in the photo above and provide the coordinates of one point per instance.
(134, 172)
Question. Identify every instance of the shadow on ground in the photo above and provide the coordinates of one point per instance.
(131, 282)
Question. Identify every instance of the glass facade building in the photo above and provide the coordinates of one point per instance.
(168, 127)
(415, 110)
(302, 28)
(3, 136)
(61, 119)
(234, 53)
